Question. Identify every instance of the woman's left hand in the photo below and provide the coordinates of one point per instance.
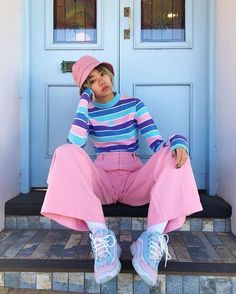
(181, 156)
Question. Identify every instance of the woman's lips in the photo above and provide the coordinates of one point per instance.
(105, 88)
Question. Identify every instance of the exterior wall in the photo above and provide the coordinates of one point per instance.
(226, 103)
(10, 52)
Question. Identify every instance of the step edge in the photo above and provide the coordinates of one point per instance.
(69, 265)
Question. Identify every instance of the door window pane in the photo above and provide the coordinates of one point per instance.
(162, 20)
(75, 21)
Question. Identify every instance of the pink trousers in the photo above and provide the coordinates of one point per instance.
(77, 187)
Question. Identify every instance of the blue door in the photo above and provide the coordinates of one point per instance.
(158, 49)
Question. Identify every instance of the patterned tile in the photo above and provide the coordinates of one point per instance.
(186, 226)
(44, 281)
(125, 284)
(45, 223)
(125, 223)
(27, 280)
(228, 225)
(219, 225)
(10, 222)
(114, 224)
(191, 285)
(207, 284)
(140, 286)
(137, 223)
(76, 282)
(196, 224)
(174, 284)
(34, 222)
(60, 281)
(160, 287)
(233, 284)
(90, 284)
(145, 223)
(224, 285)
(207, 225)
(12, 279)
(1, 279)
(109, 287)
(22, 222)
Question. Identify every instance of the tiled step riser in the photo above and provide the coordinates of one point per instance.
(124, 283)
(123, 223)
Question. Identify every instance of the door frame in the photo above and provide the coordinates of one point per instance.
(25, 181)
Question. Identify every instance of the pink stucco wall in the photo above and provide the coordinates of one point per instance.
(226, 103)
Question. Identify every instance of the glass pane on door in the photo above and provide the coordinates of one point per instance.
(75, 21)
(163, 21)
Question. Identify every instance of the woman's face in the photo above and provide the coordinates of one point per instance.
(101, 85)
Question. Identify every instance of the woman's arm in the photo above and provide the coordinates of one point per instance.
(78, 133)
(152, 134)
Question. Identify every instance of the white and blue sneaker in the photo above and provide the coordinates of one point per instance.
(147, 253)
(106, 252)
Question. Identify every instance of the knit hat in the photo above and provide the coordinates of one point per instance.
(82, 68)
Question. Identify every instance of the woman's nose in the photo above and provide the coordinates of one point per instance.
(101, 81)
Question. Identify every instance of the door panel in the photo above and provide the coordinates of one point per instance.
(54, 96)
(170, 77)
(166, 70)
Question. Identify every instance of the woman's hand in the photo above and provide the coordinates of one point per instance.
(90, 92)
(181, 156)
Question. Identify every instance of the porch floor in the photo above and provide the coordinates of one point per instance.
(68, 250)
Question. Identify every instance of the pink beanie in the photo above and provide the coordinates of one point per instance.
(82, 68)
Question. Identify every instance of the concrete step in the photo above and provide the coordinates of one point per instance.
(30, 204)
(202, 262)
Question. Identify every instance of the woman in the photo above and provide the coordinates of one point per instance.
(78, 187)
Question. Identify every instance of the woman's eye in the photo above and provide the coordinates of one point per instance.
(92, 81)
(102, 74)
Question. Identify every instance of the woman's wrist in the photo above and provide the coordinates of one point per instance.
(178, 141)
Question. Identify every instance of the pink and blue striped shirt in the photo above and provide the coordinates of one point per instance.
(114, 126)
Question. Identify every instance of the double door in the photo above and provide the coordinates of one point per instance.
(158, 50)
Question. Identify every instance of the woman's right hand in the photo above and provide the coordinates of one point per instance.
(89, 94)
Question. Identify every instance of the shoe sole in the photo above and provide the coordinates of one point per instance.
(138, 268)
(106, 278)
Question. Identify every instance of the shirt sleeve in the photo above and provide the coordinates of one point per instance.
(78, 133)
(152, 134)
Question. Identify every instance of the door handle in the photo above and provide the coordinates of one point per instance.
(127, 15)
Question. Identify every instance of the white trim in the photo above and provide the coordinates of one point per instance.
(139, 44)
(49, 42)
(211, 177)
(25, 99)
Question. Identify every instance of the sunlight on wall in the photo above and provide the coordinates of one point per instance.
(226, 103)
(10, 52)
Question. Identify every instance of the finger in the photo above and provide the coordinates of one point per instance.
(184, 157)
(178, 157)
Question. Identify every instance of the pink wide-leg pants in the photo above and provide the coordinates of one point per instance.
(77, 187)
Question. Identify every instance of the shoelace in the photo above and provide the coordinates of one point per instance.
(101, 245)
(158, 247)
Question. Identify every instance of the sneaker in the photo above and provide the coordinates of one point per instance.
(106, 252)
(147, 253)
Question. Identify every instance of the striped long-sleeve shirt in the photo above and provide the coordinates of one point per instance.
(114, 126)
